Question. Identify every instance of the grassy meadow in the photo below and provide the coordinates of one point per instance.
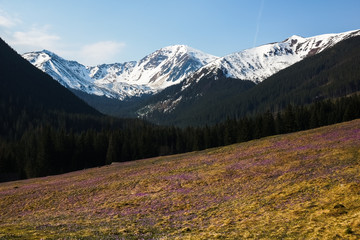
(304, 185)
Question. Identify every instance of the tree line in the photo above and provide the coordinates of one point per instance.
(58, 142)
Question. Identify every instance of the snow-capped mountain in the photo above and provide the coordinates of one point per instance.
(70, 74)
(163, 68)
(74, 75)
(182, 65)
(166, 67)
(257, 64)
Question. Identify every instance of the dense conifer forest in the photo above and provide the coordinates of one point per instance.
(57, 142)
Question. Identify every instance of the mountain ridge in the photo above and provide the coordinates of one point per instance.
(130, 89)
(173, 64)
(330, 74)
(284, 53)
(156, 71)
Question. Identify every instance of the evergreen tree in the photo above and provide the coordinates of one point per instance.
(268, 123)
(289, 119)
(113, 154)
(45, 153)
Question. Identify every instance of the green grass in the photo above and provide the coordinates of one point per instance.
(304, 185)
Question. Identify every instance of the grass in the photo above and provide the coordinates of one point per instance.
(304, 185)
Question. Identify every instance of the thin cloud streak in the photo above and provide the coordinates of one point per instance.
(258, 22)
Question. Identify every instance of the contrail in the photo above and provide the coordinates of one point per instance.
(258, 22)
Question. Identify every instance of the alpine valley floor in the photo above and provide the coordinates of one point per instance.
(304, 185)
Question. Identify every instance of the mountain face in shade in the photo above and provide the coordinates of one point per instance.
(25, 86)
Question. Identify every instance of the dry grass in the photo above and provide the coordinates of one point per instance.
(297, 186)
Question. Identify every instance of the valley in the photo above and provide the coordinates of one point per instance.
(179, 120)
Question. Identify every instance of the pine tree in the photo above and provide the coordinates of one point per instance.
(289, 119)
(279, 124)
(268, 123)
(45, 153)
(112, 154)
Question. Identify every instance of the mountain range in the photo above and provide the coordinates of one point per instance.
(158, 84)
(153, 73)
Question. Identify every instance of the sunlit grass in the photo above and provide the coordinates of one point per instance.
(297, 186)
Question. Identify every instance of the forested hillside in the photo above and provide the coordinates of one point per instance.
(57, 143)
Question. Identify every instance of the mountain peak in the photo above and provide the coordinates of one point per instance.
(176, 47)
(185, 49)
(38, 58)
(42, 52)
(294, 38)
(171, 50)
(48, 52)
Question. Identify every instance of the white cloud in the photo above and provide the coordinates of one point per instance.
(7, 21)
(27, 38)
(37, 38)
(100, 52)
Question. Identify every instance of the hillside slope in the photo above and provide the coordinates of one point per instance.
(28, 87)
(302, 185)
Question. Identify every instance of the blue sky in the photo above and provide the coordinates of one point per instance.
(105, 31)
